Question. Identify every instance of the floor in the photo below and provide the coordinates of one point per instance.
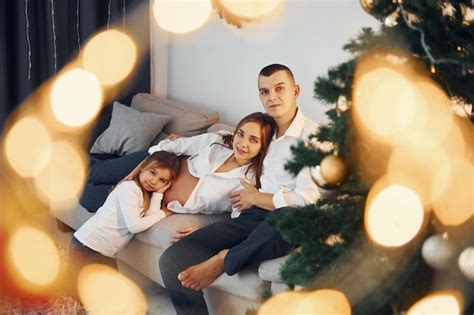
(157, 298)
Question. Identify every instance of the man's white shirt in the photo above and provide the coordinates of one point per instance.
(287, 189)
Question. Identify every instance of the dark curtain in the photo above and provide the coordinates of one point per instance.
(74, 22)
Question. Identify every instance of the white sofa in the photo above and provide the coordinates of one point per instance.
(228, 294)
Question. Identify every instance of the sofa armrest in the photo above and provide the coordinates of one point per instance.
(270, 270)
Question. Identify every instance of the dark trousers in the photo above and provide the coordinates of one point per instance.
(249, 238)
(104, 172)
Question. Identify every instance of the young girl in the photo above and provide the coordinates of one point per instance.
(132, 207)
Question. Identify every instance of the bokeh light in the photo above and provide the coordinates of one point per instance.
(250, 8)
(415, 164)
(319, 302)
(393, 215)
(110, 55)
(103, 290)
(61, 181)
(34, 257)
(76, 98)
(25, 145)
(443, 302)
(181, 16)
(384, 103)
(453, 192)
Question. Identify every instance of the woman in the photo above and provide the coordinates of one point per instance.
(216, 164)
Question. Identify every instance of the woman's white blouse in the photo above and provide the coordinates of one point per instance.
(210, 194)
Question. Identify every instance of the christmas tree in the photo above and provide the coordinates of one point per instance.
(393, 231)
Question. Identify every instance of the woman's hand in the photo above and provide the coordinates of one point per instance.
(167, 211)
(173, 137)
(182, 233)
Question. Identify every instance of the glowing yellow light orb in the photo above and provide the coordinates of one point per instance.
(61, 181)
(103, 290)
(110, 55)
(384, 103)
(393, 216)
(76, 98)
(181, 16)
(453, 192)
(34, 256)
(443, 302)
(250, 8)
(317, 302)
(24, 146)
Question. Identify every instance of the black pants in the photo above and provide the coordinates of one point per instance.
(249, 239)
(106, 171)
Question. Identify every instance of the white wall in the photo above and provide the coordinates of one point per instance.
(216, 67)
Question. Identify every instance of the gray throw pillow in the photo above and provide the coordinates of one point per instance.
(129, 131)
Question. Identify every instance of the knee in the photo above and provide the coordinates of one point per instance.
(168, 260)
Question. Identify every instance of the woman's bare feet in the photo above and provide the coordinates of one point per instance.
(200, 276)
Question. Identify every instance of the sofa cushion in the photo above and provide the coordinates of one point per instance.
(270, 270)
(129, 131)
(219, 126)
(186, 120)
(160, 234)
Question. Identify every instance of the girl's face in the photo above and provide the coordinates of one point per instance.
(154, 178)
(247, 142)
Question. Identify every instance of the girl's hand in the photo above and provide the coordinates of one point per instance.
(182, 233)
(164, 188)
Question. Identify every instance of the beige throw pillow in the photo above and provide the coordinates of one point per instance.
(185, 120)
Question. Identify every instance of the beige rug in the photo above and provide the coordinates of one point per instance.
(52, 306)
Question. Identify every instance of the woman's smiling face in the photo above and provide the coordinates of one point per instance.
(247, 142)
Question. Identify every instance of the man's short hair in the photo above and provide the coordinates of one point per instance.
(271, 69)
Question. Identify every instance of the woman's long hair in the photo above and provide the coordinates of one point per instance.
(161, 159)
(268, 127)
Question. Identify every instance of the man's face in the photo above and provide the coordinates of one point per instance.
(278, 94)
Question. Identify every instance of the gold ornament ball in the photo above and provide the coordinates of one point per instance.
(333, 169)
(367, 5)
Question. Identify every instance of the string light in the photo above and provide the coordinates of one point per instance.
(28, 39)
(77, 26)
(425, 47)
(54, 36)
(108, 15)
(124, 15)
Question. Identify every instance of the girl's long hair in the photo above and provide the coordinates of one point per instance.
(268, 127)
(161, 159)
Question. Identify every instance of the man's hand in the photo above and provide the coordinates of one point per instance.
(245, 198)
(173, 137)
(182, 233)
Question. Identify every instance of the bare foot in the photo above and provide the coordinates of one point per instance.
(200, 276)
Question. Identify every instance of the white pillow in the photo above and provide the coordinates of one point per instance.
(129, 131)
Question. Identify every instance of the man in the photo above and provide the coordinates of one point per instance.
(195, 261)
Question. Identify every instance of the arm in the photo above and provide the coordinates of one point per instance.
(305, 192)
(185, 145)
(250, 196)
(129, 198)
